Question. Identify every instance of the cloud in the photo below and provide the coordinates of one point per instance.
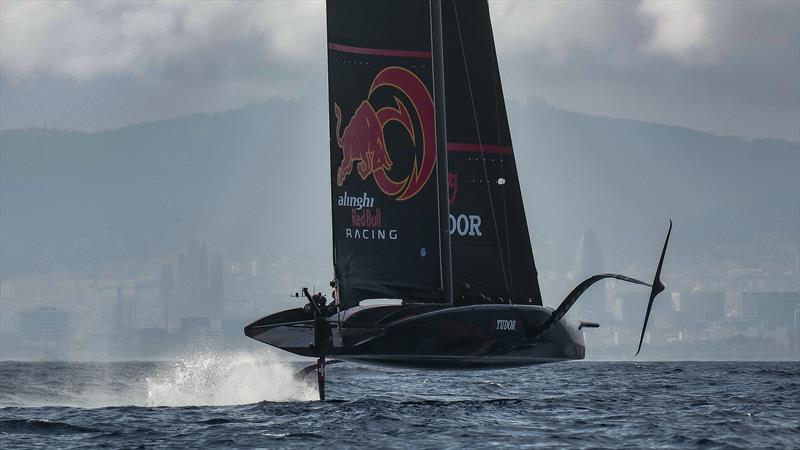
(684, 31)
(727, 67)
(554, 30)
(680, 27)
(155, 40)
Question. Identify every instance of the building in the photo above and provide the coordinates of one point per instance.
(593, 304)
(44, 332)
(166, 293)
(700, 307)
(215, 305)
(195, 288)
(770, 309)
(154, 342)
(199, 332)
(192, 280)
(631, 307)
(797, 332)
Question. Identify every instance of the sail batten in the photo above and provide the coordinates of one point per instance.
(379, 51)
(479, 148)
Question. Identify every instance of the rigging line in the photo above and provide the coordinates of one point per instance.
(495, 74)
(446, 244)
(480, 145)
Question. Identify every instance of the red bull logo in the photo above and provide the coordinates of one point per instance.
(363, 143)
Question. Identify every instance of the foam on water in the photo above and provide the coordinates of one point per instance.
(225, 379)
(203, 378)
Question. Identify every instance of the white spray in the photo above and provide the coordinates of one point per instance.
(210, 378)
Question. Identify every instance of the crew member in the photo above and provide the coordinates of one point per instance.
(319, 299)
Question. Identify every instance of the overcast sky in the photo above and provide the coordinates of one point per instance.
(729, 67)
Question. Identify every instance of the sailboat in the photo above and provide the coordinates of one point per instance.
(426, 204)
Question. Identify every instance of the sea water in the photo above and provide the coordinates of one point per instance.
(244, 400)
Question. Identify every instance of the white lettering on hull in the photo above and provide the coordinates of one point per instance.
(506, 325)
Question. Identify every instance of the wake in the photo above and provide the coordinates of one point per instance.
(202, 378)
(229, 379)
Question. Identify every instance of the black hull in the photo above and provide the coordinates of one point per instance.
(428, 336)
(450, 363)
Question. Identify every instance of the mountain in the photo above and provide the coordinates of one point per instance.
(255, 180)
(240, 179)
(624, 178)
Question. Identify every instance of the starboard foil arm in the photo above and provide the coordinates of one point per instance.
(573, 296)
(656, 288)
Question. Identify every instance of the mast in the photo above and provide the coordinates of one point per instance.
(441, 147)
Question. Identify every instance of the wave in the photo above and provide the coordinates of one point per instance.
(41, 426)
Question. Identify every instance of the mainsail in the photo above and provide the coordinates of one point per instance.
(388, 198)
(385, 200)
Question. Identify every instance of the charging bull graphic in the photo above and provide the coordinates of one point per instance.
(363, 142)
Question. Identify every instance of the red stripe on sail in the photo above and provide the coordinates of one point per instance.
(379, 51)
(477, 148)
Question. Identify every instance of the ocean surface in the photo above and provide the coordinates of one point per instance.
(246, 400)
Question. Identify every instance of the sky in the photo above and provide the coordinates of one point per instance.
(727, 67)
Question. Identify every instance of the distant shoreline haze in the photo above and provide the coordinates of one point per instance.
(258, 177)
(85, 211)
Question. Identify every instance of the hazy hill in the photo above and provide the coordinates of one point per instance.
(236, 178)
(255, 180)
(625, 178)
